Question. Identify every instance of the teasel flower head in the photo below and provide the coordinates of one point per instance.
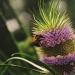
(53, 26)
(55, 35)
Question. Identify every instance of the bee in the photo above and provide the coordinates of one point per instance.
(35, 40)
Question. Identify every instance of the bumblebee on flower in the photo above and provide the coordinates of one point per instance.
(55, 36)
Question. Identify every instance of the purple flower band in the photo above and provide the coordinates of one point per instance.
(50, 39)
(59, 60)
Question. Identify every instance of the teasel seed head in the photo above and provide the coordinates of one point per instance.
(53, 26)
(56, 36)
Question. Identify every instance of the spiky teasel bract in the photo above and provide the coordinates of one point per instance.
(55, 36)
(50, 18)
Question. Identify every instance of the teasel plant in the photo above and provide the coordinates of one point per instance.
(54, 38)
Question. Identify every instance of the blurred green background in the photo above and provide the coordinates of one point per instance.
(16, 21)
